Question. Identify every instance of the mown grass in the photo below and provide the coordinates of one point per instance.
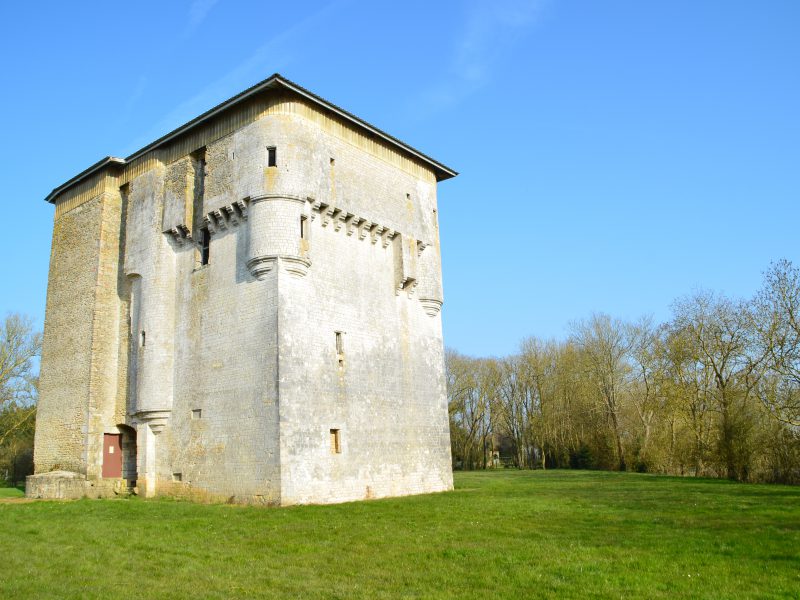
(12, 492)
(509, 534)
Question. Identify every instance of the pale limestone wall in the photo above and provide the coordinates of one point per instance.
(78, 389)
(388, 399)
(237, 384)
(225, 350)
(62, 412)
(150, 256)
(102, 411)
(225, 356)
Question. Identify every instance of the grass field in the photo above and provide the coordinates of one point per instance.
(10, 492)
(508, 534)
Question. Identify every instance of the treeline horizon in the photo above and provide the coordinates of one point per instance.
(712, 392)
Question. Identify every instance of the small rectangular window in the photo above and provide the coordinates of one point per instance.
(197, 413)
(205, 245)
(176, 477)
(303, 228)
(272, 156)
(336, 442)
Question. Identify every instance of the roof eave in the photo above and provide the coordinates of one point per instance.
(100, 165)
(441, 171)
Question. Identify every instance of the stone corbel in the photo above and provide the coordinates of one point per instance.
(339, 220)
(241, 207)
(260, 266)
(407, 283)
(387, 237)
(176, 235)
(180, 234)
(219, 215)
(327, 214)
(296, 266)
(351, 223)
(376, 233)
(319, 207)
(231, 215)
(364, 228)
(431, 306)
(410, 287)
(156, 419)
(210, 224)
(420, 247)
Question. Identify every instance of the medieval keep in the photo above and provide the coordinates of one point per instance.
(247, 309)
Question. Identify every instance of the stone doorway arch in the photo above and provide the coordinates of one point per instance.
(128, 443)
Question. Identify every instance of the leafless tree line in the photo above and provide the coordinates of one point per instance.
(20, 345)
(715, 391)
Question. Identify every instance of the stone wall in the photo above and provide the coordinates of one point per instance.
(62, 413)
(229, 371)
(385, 393)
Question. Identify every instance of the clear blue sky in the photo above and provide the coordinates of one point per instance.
(613, 155)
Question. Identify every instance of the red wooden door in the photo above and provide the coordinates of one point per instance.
(112, 455)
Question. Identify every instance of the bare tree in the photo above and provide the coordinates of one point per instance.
(19, 347)
(605, 344)
(777, 323)
(691, 390)
(713, 392)
(469, 399)
(517, 405)
(721, 331)
(645, 350)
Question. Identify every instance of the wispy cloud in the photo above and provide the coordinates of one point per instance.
(490, 32)
(272, 56)
(198, 11)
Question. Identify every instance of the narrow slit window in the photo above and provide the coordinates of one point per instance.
(303, 228)
(205, 245)
(144, 337)
(336, 442)
(272, 156)
(339, 343)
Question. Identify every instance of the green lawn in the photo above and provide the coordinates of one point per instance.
(508, 534)
(10, 492)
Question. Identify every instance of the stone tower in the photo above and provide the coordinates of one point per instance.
(247, 308)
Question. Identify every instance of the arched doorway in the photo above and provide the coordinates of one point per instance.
(128, 443)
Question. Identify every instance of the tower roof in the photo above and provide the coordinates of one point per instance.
(274, 82)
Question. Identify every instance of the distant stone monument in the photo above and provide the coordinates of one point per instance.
(247, 308)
